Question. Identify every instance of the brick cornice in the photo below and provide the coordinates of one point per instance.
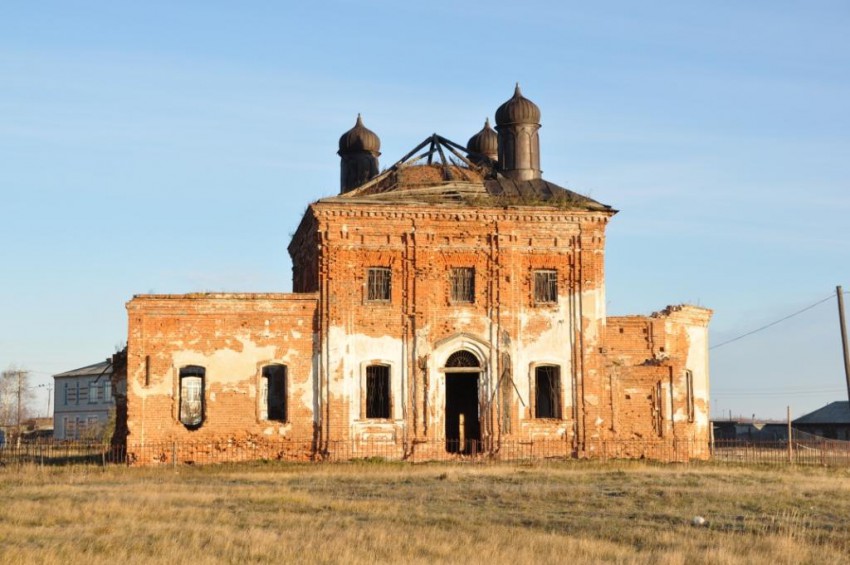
(326, 210)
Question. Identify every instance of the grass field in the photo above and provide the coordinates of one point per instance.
(397, 513)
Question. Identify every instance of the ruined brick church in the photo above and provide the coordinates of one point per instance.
(452, 304)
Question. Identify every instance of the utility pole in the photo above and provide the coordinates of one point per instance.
(840, 295)
(19, 375)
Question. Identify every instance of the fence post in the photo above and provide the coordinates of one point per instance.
(790, 439)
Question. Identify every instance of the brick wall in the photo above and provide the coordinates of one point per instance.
(659, 367)
(641, 378)
(416, 330)
(232, 336)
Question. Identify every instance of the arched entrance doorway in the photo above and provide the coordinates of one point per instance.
(463, 426)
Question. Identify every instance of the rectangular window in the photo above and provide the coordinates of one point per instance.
(192, 396)
(82, 428)
(658, 409)
(463, 284)
(689, 383)
(377, 391)
(92, 392)
(70, 393)
(379, 287)
(273, 395)
(107, 391)
(547, 389)
(545, 286)
(70, 428)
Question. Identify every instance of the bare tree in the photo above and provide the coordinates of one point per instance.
(15, 397)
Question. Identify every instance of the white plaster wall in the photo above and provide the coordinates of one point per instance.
(349, 354)
(697, 362)
(233, 370)
(552, 346)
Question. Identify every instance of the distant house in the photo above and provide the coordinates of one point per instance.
(832, 421)
(37, 429)
(747, 429)
(84, 401)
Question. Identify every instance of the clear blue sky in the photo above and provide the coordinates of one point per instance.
(173, 146)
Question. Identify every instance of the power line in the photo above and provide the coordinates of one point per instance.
(791, 389)
(742, 336)
(769, 393)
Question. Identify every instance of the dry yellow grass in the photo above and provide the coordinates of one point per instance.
(394, 513)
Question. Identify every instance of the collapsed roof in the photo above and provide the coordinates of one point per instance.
(441, 173)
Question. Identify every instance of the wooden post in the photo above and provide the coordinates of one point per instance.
(840, 296)
(790, 439)
(711, 439)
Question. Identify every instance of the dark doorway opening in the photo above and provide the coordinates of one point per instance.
(463, 430)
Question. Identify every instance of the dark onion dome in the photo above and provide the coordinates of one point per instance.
(359, 139)
(518, 110)
(485, 142)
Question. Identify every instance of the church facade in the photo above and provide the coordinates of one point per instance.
(451, 305)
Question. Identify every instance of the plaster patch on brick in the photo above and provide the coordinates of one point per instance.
(357, 350)
(593, 310)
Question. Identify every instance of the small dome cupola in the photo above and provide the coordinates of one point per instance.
(484, 143)
(359, 138)
(518, 110)
(517, 122)
(359, 149)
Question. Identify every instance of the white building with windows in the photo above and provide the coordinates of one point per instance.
(84, 401)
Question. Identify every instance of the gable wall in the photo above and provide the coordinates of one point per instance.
(416, 330)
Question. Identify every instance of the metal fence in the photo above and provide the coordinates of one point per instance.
(804, 449)
(59, 453)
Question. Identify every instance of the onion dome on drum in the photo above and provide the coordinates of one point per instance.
(484, 143)
(517, 122)
(359, 138)
(518, 110)
(359, 149)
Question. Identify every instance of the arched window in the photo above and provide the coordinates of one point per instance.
(462, 359)
(192, 396)
(273, 393)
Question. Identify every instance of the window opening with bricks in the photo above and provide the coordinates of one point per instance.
(273, 393)
(379, 284)
(463, 285)
(547, 385)
(192, 396)
(377, 391)
(545, 286)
